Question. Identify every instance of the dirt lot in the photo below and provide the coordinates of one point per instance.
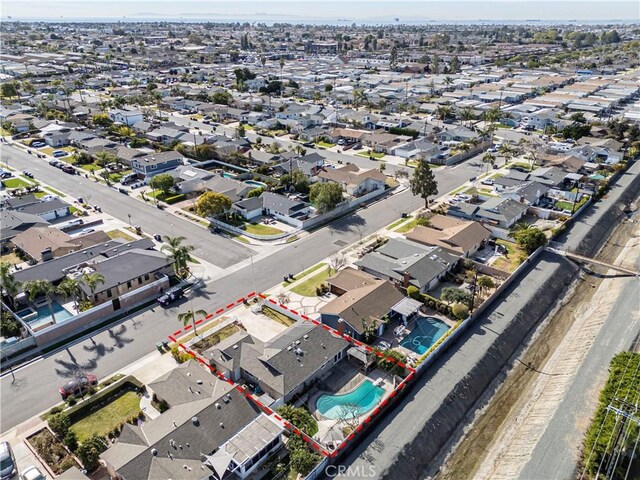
(485, 451)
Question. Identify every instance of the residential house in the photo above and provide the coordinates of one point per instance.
(44, 243)
(149, 166)
(502, 213)
(211, 430)
(46, 210)
(383, 142)
(126, 117)
(288, 210)
(456, 134)
(528, 193)
(232, 188)
(405, 263)
(281, 367)
(356, 182)
(459, 237)
(16, 222)
(421, 148)
(190, 179)
(364, 305)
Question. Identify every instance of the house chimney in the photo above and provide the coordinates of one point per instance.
(46, 254)
(249, 152)
(341, 326)
(405, 279)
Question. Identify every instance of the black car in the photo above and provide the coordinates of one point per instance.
(171, 296)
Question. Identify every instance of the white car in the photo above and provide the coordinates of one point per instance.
(487, 181)
(32, 473)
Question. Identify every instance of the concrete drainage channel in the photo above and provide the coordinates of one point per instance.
(411, 440)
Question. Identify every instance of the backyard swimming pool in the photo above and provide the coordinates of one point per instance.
(253, 183)
(426, 332)
(363, 399)
(43, 314)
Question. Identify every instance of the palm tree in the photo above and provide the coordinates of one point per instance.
(10, 286)
(443, 112)
(103, 158)
(181, 254)
(281, 85)
(92, 280)
(359, 98)
(190, 316)
(70, 287)
(489, 159)
(39, 288)
(466, 115)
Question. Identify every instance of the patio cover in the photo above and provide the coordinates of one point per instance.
(219, 461)
(406, 307)
(360, 354)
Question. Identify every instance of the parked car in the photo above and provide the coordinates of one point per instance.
(32, 473)
(69, 169)
(357, 146)
(7, 462)
(54, 163)
(59, 153)
(308, 144)
(38, 144)
(78, 386)
(341, 141)
(5, 174)
(171, 296)
(487, 181)
(130, 178)
(27, 173)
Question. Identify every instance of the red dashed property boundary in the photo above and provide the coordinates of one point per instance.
(312, 443)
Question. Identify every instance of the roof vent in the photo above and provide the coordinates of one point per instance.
(289, 348)
(154, 452)
(297, 342)
(235, 347)
(195, 421)
(218, 406)
(225, 399)
(199, 382)
(306, 337)
(221, 425)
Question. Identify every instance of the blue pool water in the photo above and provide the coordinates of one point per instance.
(253, 183)
(426, 332)
(228, 175)
(43, 314)
(366, 396)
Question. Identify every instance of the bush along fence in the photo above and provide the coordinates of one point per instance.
(328, 456)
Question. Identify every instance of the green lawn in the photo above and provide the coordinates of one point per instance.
(376, 155)
(324, 145)
(108, 417)
(50, 150)
(11, 258)
(308, 271)
(396, 223)
(564, 205)
(15, 183)
(54, 191)
(241, 239)
(407, 227)
(308, 287)
(4, 133)
(90, 167)
(120, 234)
(260, 229)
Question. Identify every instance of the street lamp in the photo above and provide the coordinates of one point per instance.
(129, 215)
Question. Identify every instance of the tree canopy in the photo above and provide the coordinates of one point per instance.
(530, 239)
(163, 182)
(212, 204)
(326, 196)
(423, 183)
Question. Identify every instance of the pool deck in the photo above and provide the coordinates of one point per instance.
(343, 381)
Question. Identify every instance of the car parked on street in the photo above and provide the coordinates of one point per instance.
(69, 169)
(7, 462)
(32, 473)
(78, 386)
(171, 296)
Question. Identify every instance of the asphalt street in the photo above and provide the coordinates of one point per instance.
(34, 388)
(218, 250)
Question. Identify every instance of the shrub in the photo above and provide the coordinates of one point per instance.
(174, 198)
(460, 311)
(300, 418)
(67, 463)
(71, 440)
(90, 450)
(56, 409)
(71, 400)
(413, 292)
(59, 424)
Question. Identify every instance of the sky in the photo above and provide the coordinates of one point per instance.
(315, 11)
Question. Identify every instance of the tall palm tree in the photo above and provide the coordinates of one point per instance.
(489, 159)
(92, 280)
(466, 115)
(70, 287)
(10, 286)
(281, 85)
(40, 288)
(443, 112)
(190, 316)
(181, 254)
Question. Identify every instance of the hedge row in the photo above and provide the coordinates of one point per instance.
(86, 407)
